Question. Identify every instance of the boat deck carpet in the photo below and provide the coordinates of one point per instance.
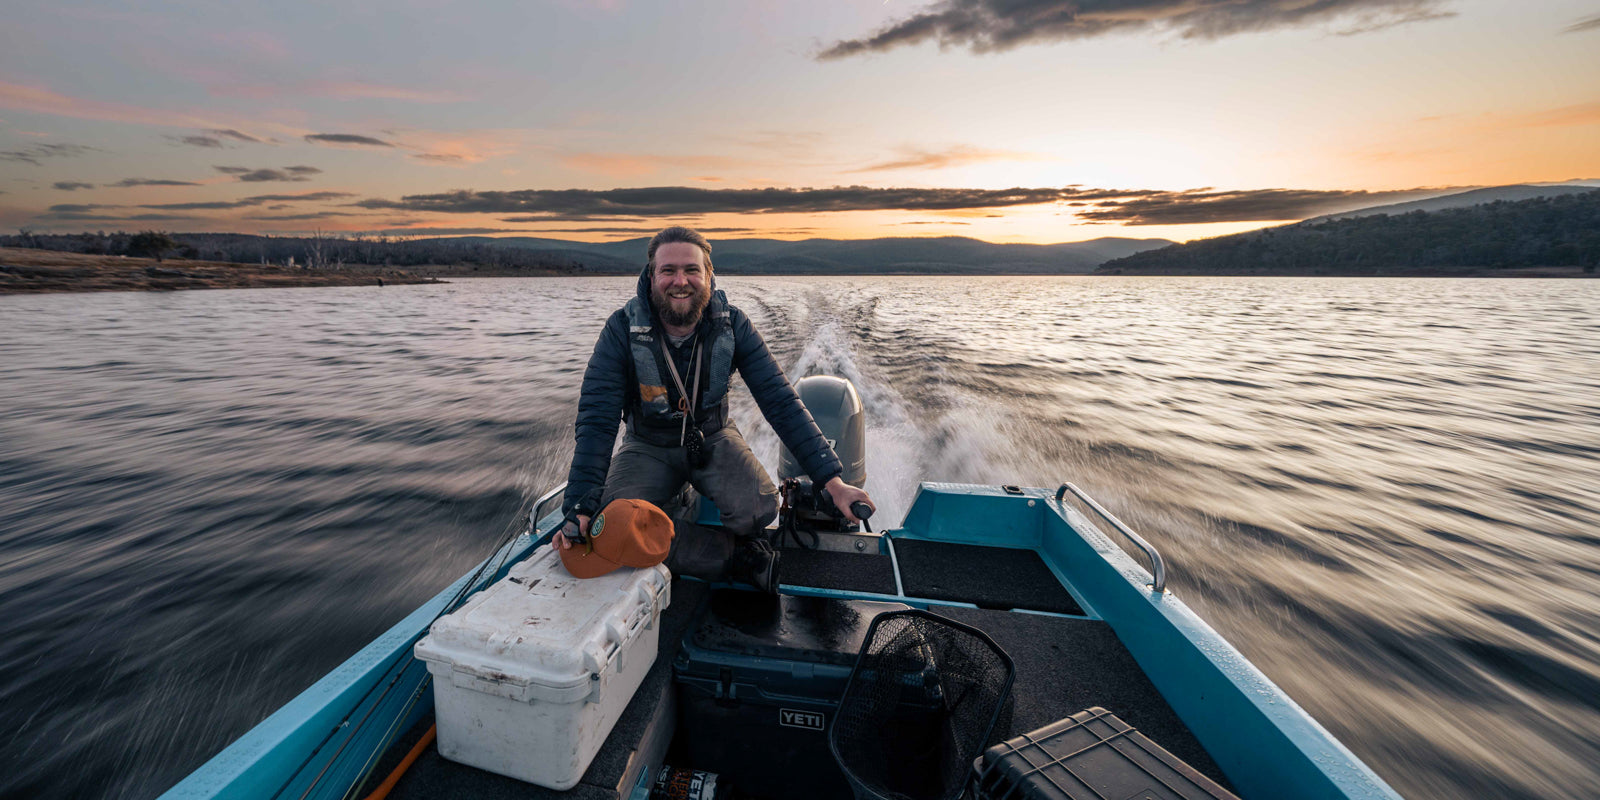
(1065, 665)
(433, 777)
(826, 569)
(987, 577)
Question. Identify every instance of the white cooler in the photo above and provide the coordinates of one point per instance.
(530, 674)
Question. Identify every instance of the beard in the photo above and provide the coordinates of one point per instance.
(688, 318)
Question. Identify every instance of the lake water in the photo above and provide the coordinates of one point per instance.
(1382, 491)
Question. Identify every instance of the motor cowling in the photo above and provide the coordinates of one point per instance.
(835, 405)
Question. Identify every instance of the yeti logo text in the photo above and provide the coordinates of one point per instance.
(810, 720)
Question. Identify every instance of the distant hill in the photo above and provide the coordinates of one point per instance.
(1474, 197)
(1555, 232)
(528, 255)
(954, 255)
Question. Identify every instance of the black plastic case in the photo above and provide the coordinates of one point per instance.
(1091, 754)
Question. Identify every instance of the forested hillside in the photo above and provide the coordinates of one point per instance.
(1542, 232)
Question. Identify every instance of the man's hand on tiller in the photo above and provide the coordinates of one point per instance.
(843, 494)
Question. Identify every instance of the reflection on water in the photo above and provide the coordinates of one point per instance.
(1382, 491)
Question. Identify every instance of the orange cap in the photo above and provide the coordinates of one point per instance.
(626, 533)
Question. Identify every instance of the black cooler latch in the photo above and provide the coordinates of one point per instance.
(726, 696)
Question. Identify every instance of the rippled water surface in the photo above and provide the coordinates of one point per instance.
(1382, 491)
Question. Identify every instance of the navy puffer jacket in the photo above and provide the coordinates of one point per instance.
(611, 393)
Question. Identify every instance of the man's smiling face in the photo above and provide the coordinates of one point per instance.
(680, 286)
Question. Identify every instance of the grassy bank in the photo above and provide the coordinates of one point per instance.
(33, 271)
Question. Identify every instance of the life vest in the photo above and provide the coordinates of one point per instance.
(655, 410)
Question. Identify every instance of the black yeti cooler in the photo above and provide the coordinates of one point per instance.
(758, 681)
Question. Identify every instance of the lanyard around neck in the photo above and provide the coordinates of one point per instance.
(686, 400)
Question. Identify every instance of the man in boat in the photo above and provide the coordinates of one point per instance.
(663, 364)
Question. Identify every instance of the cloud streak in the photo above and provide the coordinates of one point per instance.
(198, 141)
(44, 101)
(1585, 24)
(337, 89)
(248, 202)
(72, 186)
(229, 133)
(214, 138)
(35, 154)
(992, 26)
(627, 165)
(1127, 206)
(681, 200)
(76, 217)
(85, 212)
(298, 217)
(78, 208)
(958, 156)
(287, 174)
(345, 138)
(1580, 114)
(1200, 206)
(129, 182)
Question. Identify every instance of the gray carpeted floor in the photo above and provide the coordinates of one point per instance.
(987, 577)
(1064, 666)
(825, 569)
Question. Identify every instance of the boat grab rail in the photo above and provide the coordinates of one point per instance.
(533, 513)
(1158, 565)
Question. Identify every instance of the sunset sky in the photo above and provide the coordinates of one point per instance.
(1004, 120)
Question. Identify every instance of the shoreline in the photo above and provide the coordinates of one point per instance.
(25, 271)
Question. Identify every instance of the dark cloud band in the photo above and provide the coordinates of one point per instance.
(570, 204)
(1138, 207)
(229, 133)
(288, 174)
(32, 155)
(1261, 205)
(1585, 24)
(199, 141)
(250, 202)
(345, 138)
(986, 26)
(1127, 206)
(127, 182)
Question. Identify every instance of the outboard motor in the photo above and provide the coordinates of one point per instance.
(836, 407)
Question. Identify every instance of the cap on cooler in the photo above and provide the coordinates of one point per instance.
(626, 533)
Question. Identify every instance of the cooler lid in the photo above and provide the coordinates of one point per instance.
(541, 626)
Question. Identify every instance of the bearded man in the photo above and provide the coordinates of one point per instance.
(663, 364)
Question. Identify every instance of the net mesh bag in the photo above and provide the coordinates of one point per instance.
(921, 704)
